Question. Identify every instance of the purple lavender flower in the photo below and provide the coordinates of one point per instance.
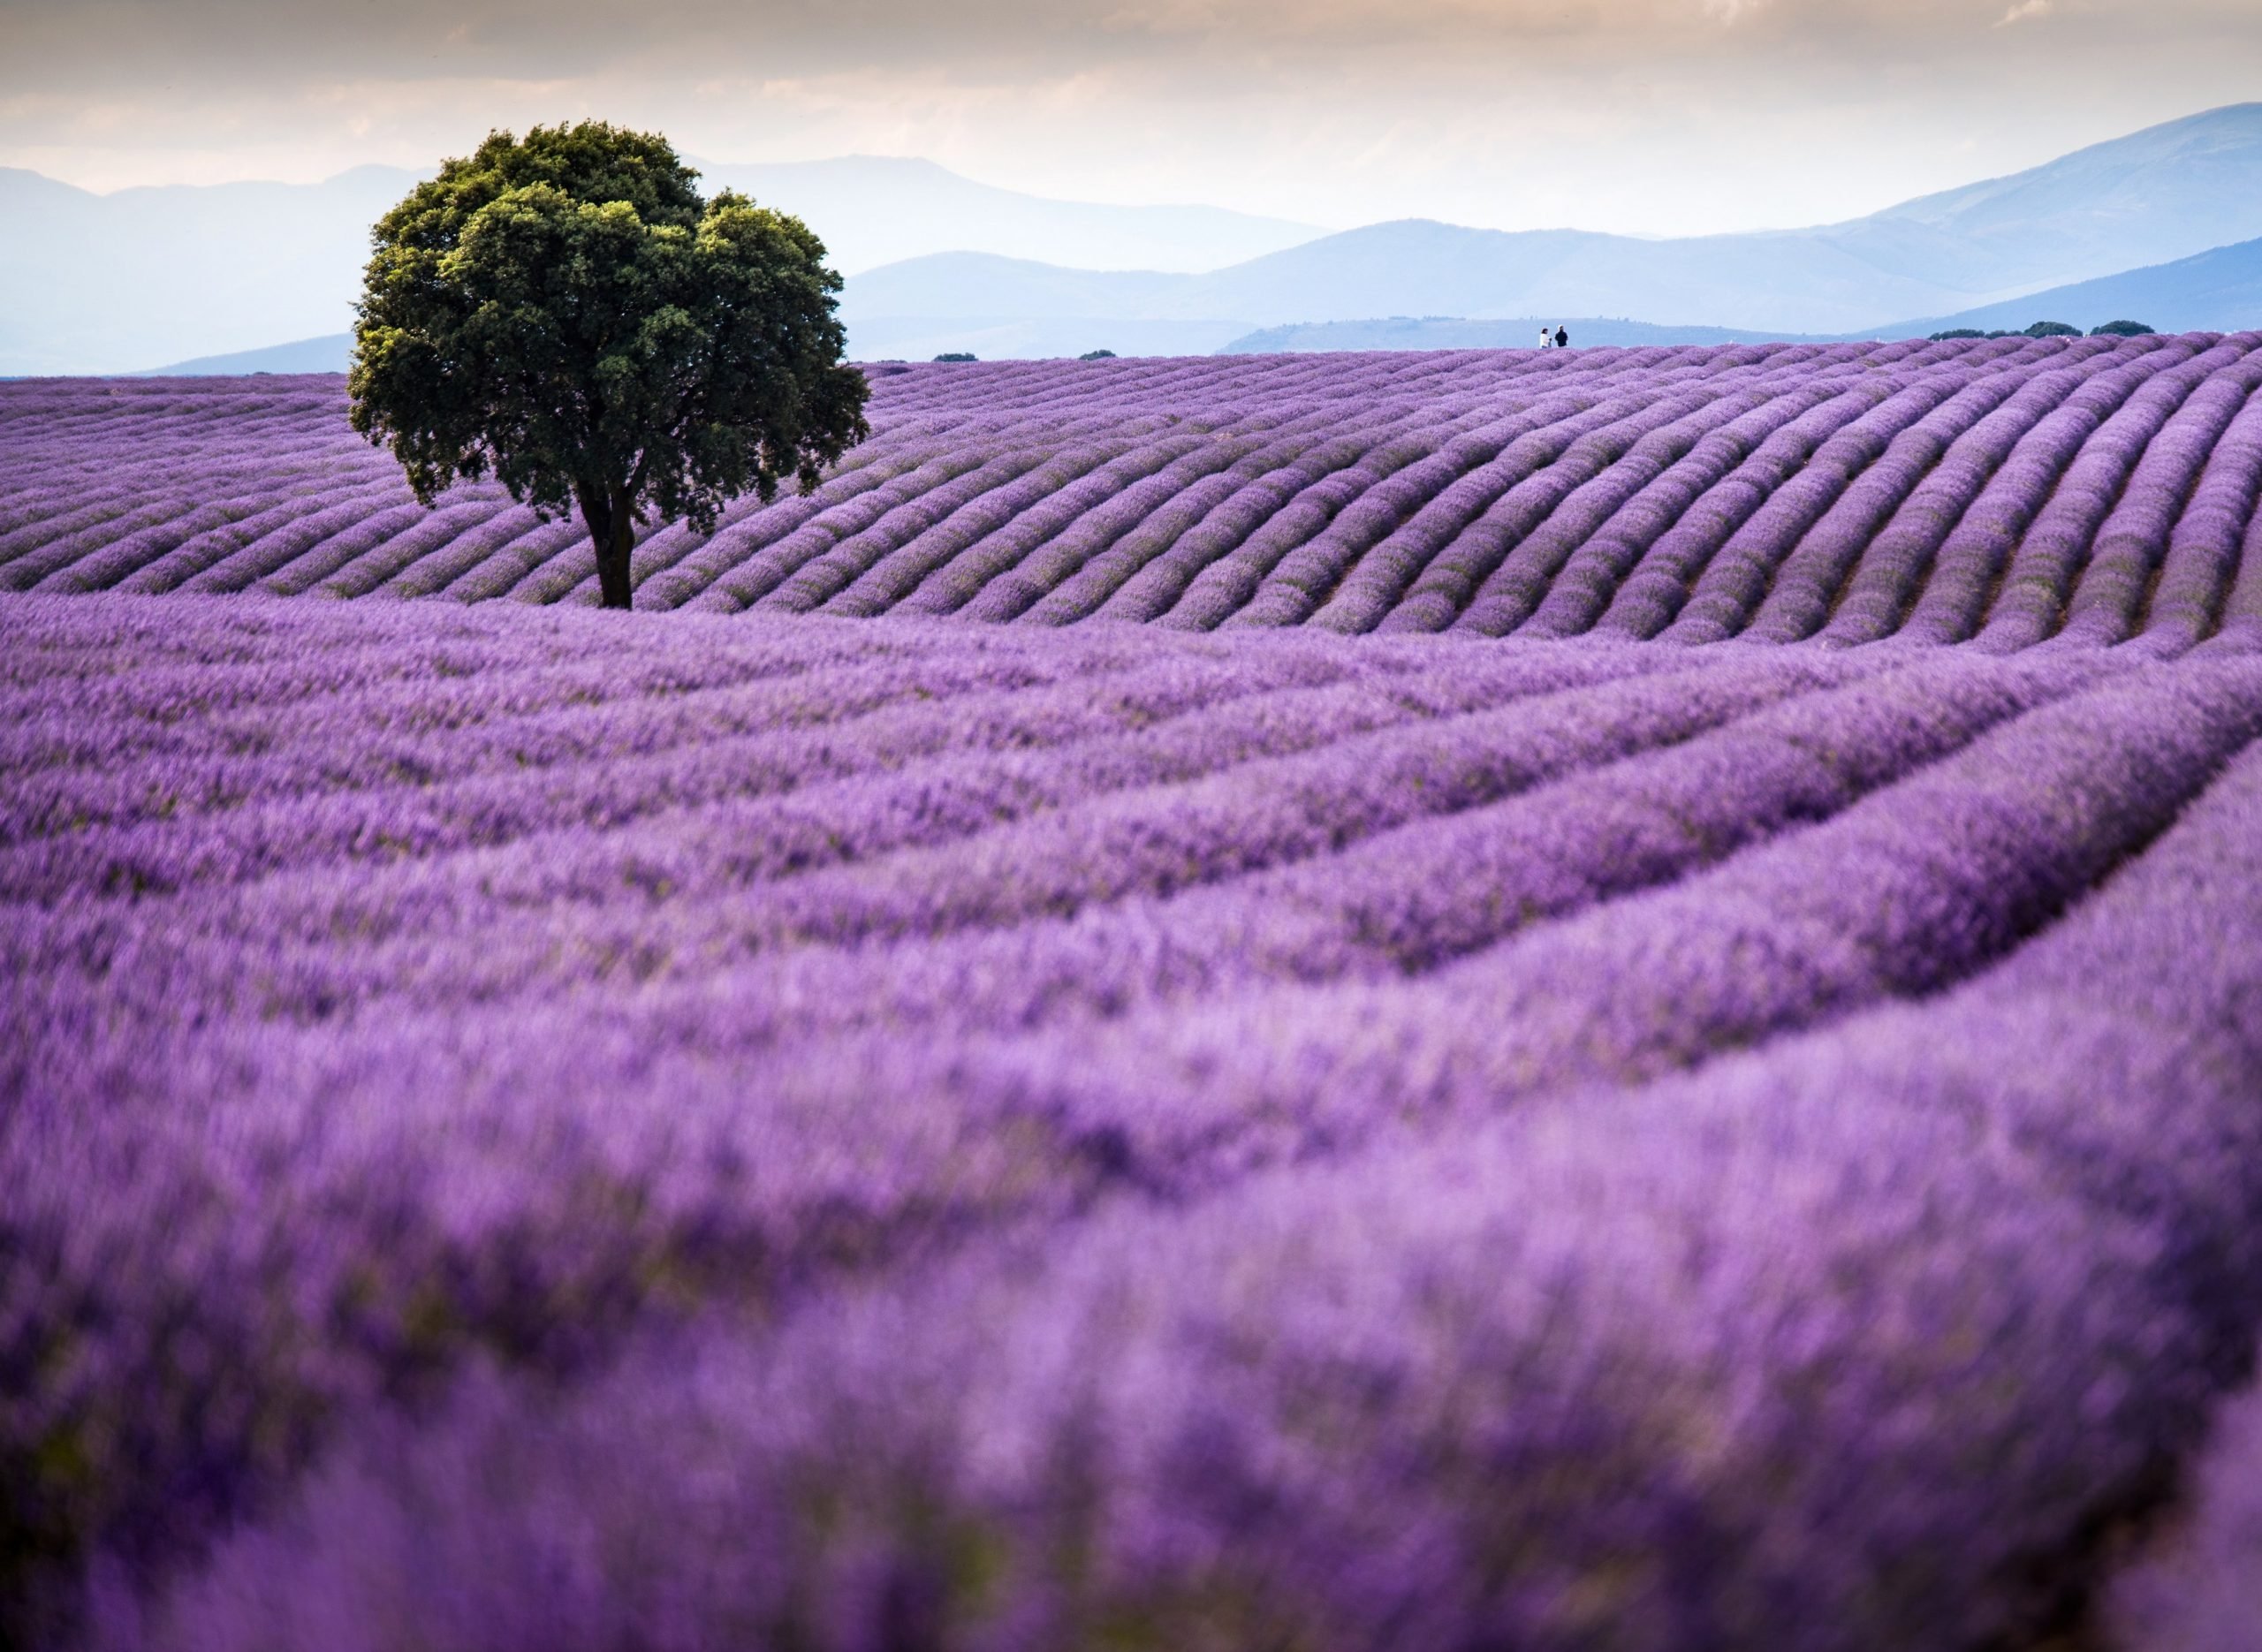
(1690, 1085)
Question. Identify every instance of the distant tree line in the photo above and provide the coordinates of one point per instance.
(2047, 330)
(967, 355)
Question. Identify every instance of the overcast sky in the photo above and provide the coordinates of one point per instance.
(1641, 116)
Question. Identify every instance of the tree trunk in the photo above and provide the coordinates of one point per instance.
(612, 563)
(612, 530)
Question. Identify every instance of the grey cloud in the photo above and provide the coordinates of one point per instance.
(1644, 115)
(112, 41)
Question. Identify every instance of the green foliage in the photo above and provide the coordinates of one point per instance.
(2053, 330)
(567, 313)
(2120, 330)
(1096, 355)
(956, 355)
(1955, 332)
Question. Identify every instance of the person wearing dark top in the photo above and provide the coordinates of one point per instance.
(1562, 338)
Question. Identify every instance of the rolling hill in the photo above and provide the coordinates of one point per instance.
(329, 353)
(1418, 267)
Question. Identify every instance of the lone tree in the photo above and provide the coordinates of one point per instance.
(568, 312)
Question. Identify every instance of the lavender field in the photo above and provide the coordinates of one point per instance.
(1696, 1084)
(2001, 490)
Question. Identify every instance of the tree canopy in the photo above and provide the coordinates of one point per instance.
(565, 312)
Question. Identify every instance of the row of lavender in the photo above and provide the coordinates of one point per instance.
(2008, 491)
(535, 1128)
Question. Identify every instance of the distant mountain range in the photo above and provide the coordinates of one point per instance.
(2219, 291)
(110, 283)
(114, 283)
(106, 284)
(2165, 192)
(874, 210)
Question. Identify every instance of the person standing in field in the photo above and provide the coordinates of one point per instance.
(1546, 340)
(1562, 338)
